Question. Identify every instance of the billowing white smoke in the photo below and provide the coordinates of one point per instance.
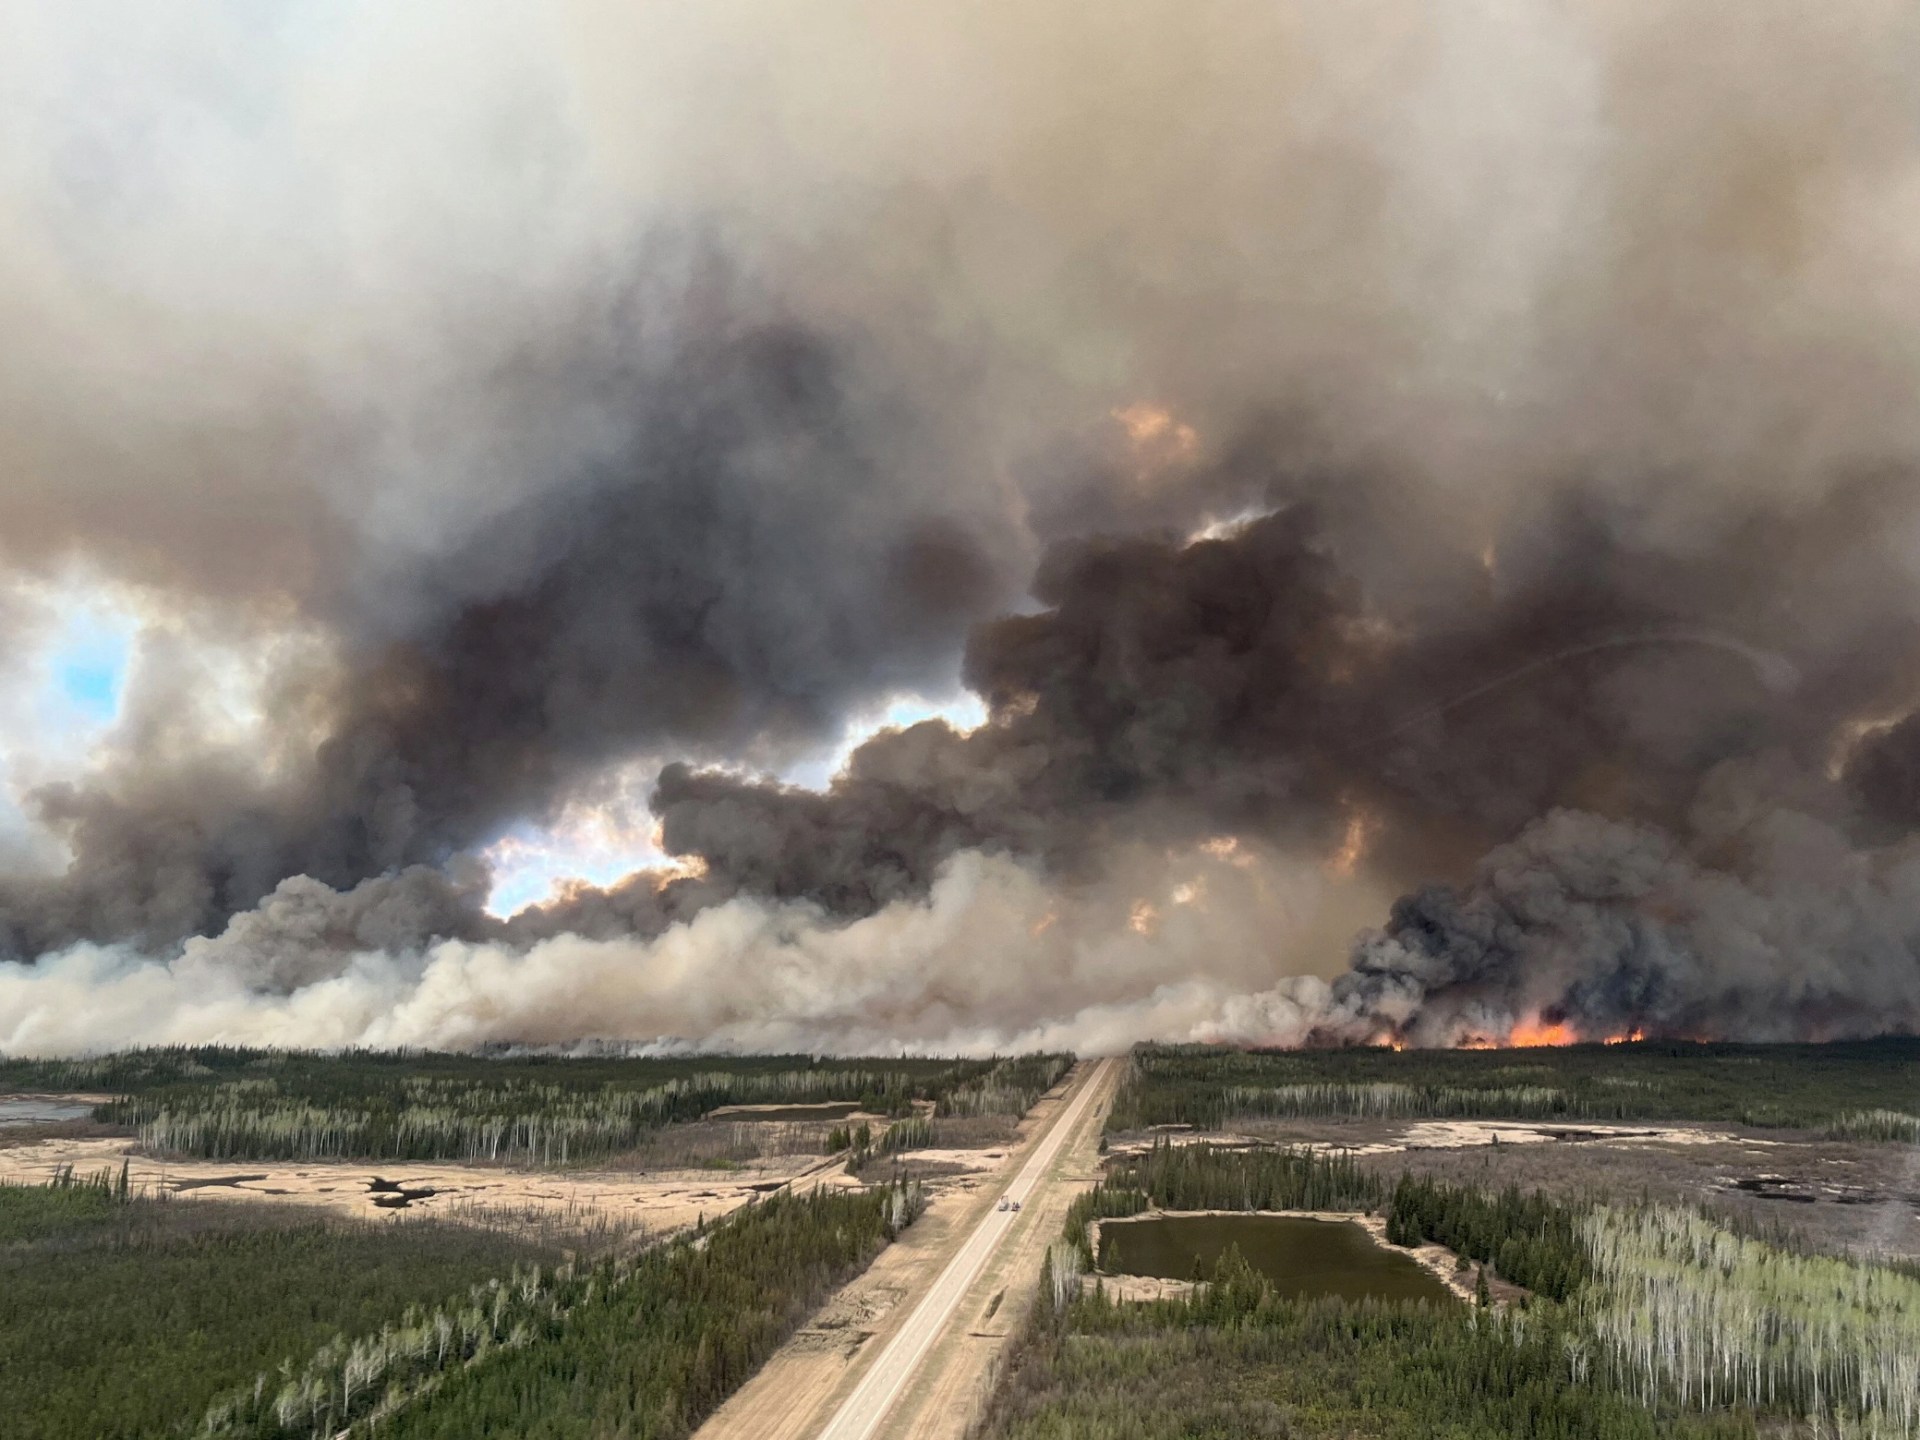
(994, 959)
(1598, 926)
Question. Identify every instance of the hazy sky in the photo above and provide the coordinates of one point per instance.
(957, 524)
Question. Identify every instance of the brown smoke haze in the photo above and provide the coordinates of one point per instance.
(1446, 476)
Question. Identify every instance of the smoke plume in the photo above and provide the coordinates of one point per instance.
(1351, 454)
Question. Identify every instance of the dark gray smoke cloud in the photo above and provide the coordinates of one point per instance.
(1467, 454)
(1246, 684)
(727, 579)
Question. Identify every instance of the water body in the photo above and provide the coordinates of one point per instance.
(18, 1110)
(1303, 1258)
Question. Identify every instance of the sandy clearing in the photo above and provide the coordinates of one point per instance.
(654, 1201)
(1137, 1289)
(1461, 1135)
(981, 1162)
(61, 1097)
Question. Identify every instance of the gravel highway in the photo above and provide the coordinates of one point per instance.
(864, 1411)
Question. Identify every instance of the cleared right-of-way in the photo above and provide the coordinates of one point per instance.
(892, 1373)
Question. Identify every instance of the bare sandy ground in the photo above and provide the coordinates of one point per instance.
(1137, 1289)
(795, 1393)
(1393, 1138)
(655, 1202)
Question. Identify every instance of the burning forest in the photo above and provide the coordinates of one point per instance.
(1268, 539)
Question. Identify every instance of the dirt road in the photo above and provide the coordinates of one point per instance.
(897, 1373)
(805, 1385)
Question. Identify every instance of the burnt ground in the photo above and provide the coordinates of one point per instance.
(1833, 1195)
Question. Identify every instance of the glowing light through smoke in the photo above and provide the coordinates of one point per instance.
(597, 840)
(961, 709)
(603, 839)
(1361, 826)
(1154, 430)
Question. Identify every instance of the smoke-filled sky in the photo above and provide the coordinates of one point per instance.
(847, 525)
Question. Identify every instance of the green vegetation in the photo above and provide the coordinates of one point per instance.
(128, 1317)
(916, 1132)
(641, 1350)
(1641, 1321)
(1238, 1362)
(1009, 1087)
(66, 1202)
(1877, 1125)
(1684, 1310)
(225, 1104)
(1837, 1087)
(1528, 1239)
(123, 1317)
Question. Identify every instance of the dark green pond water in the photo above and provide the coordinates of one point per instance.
(1303, 1258)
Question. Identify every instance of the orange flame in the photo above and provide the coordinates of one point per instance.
(1529, 1034)
(1533, 1034)
(1144, 919)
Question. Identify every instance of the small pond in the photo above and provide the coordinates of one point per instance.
(1303, 1258)
(30, 1110)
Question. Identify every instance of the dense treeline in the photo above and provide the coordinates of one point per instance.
(1841, 1086)
(1010, 1087)
(650, 1350)
(1877, 1125)
(914, 1133)
(1382, 1100)
(1103, 1202)
(1239, 1362)
(1684, 1310)
(1208, 1177)
(220, 1103)
(65, 1202)
(124, 1318)
(368, 1379)
(1530, 1240)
